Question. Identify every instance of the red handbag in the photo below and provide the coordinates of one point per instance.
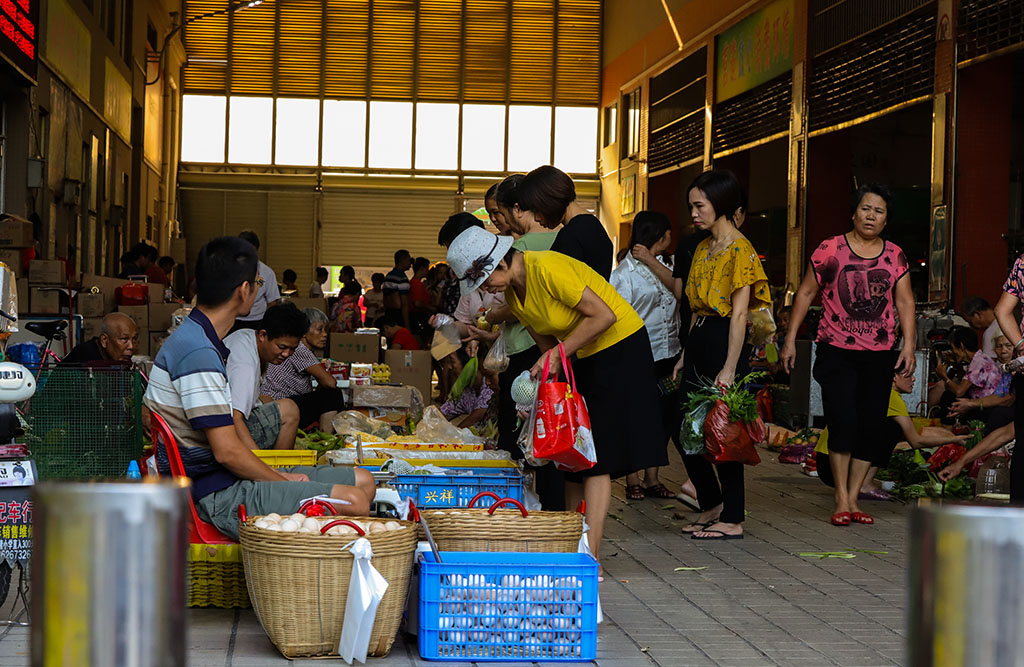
(562, 429)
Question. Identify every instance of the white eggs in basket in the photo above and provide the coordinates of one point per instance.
(261, 523)
(290, 525)
(298, 517)
(274, 526)
(311, 523)
(273, 516)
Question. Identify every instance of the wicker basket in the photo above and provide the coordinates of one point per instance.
(298, 584)
(504, 529)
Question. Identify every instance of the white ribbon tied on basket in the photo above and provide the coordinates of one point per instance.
(365, 590)
(325, 498)
(584, 548)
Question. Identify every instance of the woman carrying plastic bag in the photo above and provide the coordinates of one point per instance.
(569, 302)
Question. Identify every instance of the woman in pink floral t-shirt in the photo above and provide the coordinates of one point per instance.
(1013, 293)
(864, 284)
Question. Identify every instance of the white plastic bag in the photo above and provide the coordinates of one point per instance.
(446, 338)
(496, 360)
(525, 439)
(584, 548)
(365, 590)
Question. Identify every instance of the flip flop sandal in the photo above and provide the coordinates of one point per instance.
(688, 500)
(634, 492)
(862, 518)
(702, 526)
(720, 535)
(658, 491)
(841, 519)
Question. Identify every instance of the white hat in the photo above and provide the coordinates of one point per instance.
(473, 256)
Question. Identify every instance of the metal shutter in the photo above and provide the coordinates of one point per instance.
(756, 114)
(202, 218)
(579, 53)
(291, 226)
(348, 42)
(365, 228)
(298, 48)
(834, 23)
(677, 112)
(207, 42)
(985, 26)
(251, 69)
(521, 51)
(439, 52)
(889, 66)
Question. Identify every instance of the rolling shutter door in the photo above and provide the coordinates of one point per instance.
(985, 26)
(366, 228)
(202, 218)
(756, 114)
(879, 69)
(290, 232)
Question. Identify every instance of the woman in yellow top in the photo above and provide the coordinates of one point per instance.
(561, 299)
(726, 281)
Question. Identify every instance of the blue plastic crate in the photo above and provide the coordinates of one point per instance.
(456, 490)
(508, 607)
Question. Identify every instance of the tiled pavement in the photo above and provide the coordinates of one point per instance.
(757, 603)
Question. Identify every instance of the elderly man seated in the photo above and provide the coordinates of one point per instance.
(117, 342)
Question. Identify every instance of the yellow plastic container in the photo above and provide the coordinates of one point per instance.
(216, 577)
(286, 458)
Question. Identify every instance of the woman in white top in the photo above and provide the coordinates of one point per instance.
(659, 309)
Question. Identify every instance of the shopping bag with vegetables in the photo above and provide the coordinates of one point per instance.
(691, 435)
(562, 427)
(732, 425)
(496, 360)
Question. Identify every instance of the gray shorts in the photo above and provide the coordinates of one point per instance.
(221, 508)
(264, 422)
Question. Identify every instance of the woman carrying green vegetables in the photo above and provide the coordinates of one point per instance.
(726, 280)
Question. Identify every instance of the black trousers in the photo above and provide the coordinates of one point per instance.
(1017, 462)
(550, 481)
(855, 386)
(717, 483)
(317, 402)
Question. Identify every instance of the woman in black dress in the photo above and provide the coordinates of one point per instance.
(550, 195)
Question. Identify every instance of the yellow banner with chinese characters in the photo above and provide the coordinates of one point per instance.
(755, 50)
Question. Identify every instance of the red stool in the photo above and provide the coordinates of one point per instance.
(199, 531)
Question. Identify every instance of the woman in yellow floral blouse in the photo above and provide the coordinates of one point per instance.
(726, 281)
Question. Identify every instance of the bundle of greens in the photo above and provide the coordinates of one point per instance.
(909, 470)
(317, 441)
(742, 403)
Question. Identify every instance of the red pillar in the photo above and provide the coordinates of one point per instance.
(983, 179)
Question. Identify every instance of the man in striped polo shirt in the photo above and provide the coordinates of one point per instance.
(189, 389)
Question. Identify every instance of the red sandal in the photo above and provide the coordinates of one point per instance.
(841, 519)
(862, 518)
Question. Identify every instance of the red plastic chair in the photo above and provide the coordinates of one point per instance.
(199, 531)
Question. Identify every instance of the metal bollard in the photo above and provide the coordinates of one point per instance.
(108, 574)
(966, 582)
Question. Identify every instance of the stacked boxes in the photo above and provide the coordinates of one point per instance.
(47, 287)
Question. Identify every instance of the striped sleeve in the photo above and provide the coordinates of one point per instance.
(203, 387)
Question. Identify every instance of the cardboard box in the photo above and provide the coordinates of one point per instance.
(23, 302)
(381, 396)
(12, 258)
(47, 272)
(45, 300)
(160, 316)
(16, 233)
(359, 348)
(89, 305)
(156, 341)
(91, 328)
(304, 302)
(141, 316)
(108, 288)
(413, 368)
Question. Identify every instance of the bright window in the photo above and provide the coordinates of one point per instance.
(529, 137)
(483, 137)
(437, 136)
(391, 135)
(298, 132)
(576, 139)
(344, 133)
(251, 122)
(202, 128)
